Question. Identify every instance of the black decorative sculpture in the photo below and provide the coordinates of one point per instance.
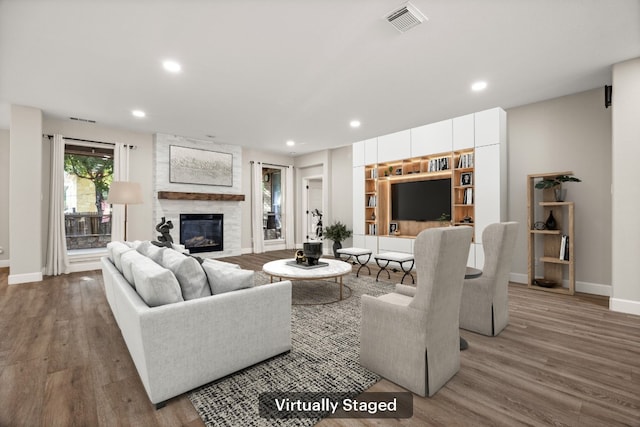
(165, 238)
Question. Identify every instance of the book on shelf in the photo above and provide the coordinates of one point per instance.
(468, 196)
(372, 202)
(373, 229)
(465, 161)
(564, 248)
(439, 164)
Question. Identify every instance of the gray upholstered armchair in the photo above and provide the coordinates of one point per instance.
(484, 307)
(414, 341)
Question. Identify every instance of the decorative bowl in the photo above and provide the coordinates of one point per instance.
(545, 283)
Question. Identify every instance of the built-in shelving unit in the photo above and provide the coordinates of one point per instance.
(550, 256)
(378, 178)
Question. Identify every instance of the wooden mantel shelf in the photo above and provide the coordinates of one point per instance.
(176, 195)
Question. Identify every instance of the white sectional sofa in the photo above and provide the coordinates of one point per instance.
(182, 345)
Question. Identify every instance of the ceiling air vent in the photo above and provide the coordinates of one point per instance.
(82, 120)
(406, 17)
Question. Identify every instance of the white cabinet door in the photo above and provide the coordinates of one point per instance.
(371, 242)
(371, 151)
(358, 153)
(395, 146)
(358, 240)
(395, 244)
(489, 193)
(358, 200)
(490, 127)
(432, 138)
(463, 132)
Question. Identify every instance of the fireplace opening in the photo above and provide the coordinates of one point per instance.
(201, 232)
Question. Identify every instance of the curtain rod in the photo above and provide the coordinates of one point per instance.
(270, 164)
(89, 140)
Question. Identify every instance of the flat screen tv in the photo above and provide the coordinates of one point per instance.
(420, 200)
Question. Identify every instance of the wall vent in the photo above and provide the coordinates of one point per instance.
(82, 120)
(405, 17)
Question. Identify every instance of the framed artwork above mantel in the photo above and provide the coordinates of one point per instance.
(197, 166)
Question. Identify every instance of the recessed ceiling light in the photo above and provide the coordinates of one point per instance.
(290, 143)
(355, 123)
(172, 66)
(478, 86)
(138, 113)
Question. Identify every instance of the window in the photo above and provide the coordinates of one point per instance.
(88, 174)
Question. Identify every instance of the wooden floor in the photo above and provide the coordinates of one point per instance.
(561, 361)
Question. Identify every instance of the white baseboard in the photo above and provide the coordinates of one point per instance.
(16, 279)
(583, 287)
(4, 263)
(77, 267)
(624, 306)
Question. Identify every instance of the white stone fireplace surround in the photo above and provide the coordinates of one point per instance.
(171, 209)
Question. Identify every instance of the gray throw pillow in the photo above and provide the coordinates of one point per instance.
(155, 284)
(224, 279)
(189, 272)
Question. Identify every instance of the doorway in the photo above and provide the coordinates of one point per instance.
(314, 211)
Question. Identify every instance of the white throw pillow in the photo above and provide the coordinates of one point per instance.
(151, 251)
(127, 260)
(116, 249)
(155, 284)
(189, 272)
(224, 279)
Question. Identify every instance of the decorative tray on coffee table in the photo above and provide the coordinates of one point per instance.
(305, 266)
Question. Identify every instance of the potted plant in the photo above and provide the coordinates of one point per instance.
(337, 232)
(553, 182)
(444, 217)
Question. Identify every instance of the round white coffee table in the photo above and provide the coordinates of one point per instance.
(283, 269)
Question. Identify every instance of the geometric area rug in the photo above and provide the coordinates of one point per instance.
(325, 342)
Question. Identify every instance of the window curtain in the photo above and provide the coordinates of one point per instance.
(289, 220)
(256, 208)
(120, 173)
(57, 260)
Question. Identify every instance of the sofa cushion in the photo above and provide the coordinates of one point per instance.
(151, 251)
(224, 279)
(116, 249)
(155, 284)
(128, 259)
(189, 272)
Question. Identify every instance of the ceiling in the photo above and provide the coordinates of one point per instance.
(259, 73)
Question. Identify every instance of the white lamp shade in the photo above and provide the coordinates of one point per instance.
(124, 193)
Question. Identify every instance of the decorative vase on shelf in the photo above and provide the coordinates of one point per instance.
(551, 222)
(560, 194)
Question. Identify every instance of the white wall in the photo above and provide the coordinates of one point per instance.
(571, 133)
(341, 190)
(25, 195)
(626, 191)
(4, 198)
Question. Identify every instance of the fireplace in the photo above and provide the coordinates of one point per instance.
(202, 232)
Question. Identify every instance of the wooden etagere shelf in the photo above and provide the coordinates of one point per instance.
(556, 263)
(458, 165)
